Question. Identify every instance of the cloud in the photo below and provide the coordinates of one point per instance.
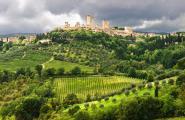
(148, 24)
(28, 16)
(43, 15)
(162, 25)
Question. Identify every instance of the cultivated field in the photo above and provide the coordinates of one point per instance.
(82, 86)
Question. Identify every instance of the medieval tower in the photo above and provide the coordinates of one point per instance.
(89, 21)
(105, 25)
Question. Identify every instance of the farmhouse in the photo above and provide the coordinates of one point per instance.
(46, 41)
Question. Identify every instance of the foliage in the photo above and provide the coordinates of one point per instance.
(181, 79)
(39, 68)
(73, 110)
(76, 71)
(60, 71)
(70, 99)
(141, 109)
(82, 115)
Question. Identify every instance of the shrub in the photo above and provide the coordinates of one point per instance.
(114, 100)
(127, 92)
(70, 99)
(132, 72)
(73, 110)
(174, 93)
(156, 83)
(181, 79)
(168, 109)
(106, 99)
(92, 98)
(29, 108)
(101, 106)
(50, 72)
(39, 68)
(144, 82)
(8, 109)
(140, 86)
(76, 71)
(86, 105)
(44, 91)
(149, 85)
(45, 108)
(132, 86)
(56, 105)
(60, 71)
(150, 78)
(168, 75)
(164, 82)
(88, 98)
(171, 82)
(146, 94)
(82, 115)
(146, 108)
(133, 90)
(93, 106)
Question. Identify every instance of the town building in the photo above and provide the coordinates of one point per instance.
(105, 27)
(89, 21)
(15, 38)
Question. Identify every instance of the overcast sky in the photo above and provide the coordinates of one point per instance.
(30, 16)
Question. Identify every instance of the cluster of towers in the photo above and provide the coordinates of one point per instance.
(90, 24)
(105, 27)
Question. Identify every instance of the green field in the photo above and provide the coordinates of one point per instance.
(68, 66)
(14, 59)
(14, 64)
(82, 86)
(108, 104)
(177, 118)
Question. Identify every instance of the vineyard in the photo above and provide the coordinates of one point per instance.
(94, 86)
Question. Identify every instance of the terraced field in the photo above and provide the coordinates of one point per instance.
(82, 86)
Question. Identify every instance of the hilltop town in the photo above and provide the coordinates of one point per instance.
(105, 27)
(90, 24)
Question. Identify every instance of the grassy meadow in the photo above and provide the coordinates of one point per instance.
(68, 66)
(22, 57)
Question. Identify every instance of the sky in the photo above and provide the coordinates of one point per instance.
(35, 16)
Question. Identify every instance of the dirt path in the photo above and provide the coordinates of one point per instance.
(24, 55)
(51, 59)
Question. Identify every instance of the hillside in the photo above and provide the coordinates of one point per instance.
(84, 75)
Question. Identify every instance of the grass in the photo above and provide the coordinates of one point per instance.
(14, 64)
(119, 98)
(30, 59)
(176, 118)
(68, 66)
(94, 86)
(122, 97)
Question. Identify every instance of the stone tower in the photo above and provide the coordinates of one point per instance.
(89, 21)
(77, 25)
(67, 25)
(105, 25)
